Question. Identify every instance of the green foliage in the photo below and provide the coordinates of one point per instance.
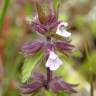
(29, 65)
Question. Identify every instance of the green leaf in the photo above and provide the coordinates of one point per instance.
(29, 65)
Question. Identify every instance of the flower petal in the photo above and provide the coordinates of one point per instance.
(63, 33)
(48, 63)
(56, 65)
(53, 61)
(52, 55)
(61, 30)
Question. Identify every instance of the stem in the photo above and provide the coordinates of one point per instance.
(91, 85)
(6, 4)
(91, 74)
(49, 75)
(49, 72)
(49, 78)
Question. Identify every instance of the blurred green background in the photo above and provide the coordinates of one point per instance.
(79, 68)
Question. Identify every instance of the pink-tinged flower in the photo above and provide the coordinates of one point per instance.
(62, 31)
(39, 81)
(53, 62)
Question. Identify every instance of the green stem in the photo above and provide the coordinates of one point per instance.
(3, 14)
(90, 71)
(91, 85)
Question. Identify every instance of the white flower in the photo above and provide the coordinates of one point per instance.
(61, 30)
(53, 61)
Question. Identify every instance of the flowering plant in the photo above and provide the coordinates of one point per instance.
(54, 31)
